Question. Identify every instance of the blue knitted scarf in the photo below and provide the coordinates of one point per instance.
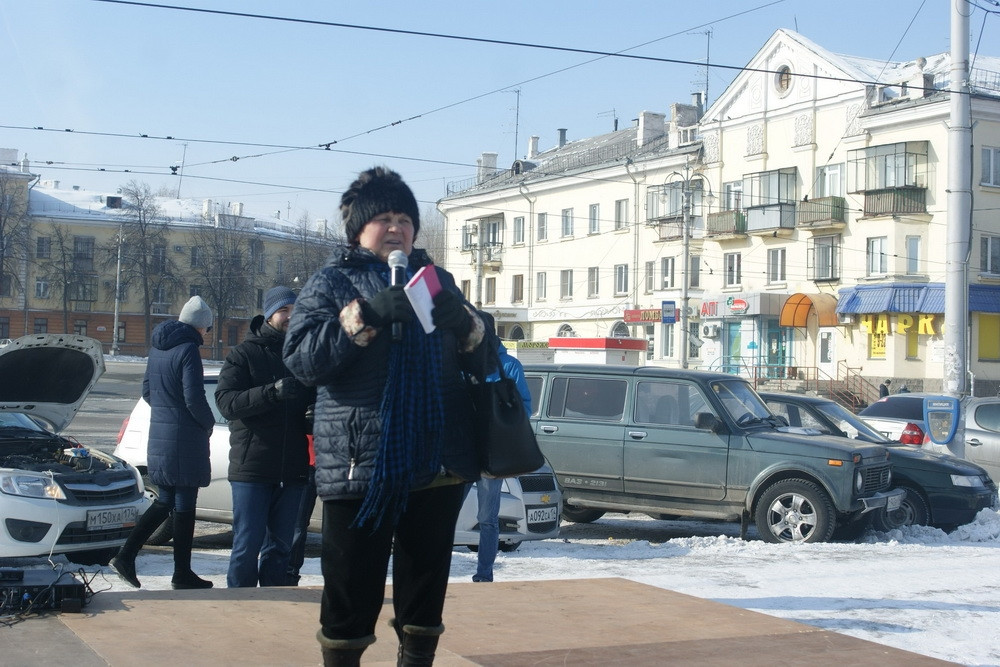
(412, 417)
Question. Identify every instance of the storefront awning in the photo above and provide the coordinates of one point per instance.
(913, 298)
(795, 312)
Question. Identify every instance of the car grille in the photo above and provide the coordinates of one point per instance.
(77, 533)
(537, 483)
(92, 494)
(876, 478)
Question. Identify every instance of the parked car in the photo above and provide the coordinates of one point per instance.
(58, 496)
(529, 504)
(670, 442)
(976, 438)
(941, 490)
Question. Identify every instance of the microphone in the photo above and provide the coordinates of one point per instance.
(397, 276)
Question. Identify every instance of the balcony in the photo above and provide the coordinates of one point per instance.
(493, 256)
(907, 200)
(776, 219)
(727, 224)
(670, 229)
(822, 213)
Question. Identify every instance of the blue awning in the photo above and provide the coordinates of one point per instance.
(913, 298)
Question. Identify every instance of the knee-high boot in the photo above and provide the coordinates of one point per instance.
(417, 644)
(184, 577)
(123, 562)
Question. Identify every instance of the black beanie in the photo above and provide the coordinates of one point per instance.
(376, 191)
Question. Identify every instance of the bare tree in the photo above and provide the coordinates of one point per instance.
(311, 252)
(57, 270)
(432, 237)
(146, 267)
(15, 232)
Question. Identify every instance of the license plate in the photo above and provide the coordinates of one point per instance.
(543, 514)
(120, 517)
(894, 503)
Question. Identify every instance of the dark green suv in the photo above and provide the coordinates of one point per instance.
(670, 442)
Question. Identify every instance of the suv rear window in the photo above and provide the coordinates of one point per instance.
(896, 407)
(587, 398)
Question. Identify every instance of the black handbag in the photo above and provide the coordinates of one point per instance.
(505, 440)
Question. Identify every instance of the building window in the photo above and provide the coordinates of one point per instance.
(621, 279)
(197, 257)
(594, 220)
(878, 259)
(830, 180)
(667, 272)
(989, 255)
(989, 337)
(517, 288)
(593, 281)
(567, 222)
(491, 291)
(467, 231)
(466, 289)
(734, 269)
(823, 256)
(783, 79)
(158, 260)
(4, 327)
(83, 289)
(991, 166)
(776, 265)
(279, 267)
(232, 336)
(887, 166)
(83, 253)
(732, 196)
(770, 188)
(540, 286)
(196, 290)
(80, 327)
(41, 288)
(694, 268)
(650, 281)
(566, 284)
(43, 247)
(492, 232)
(543, 226)
(694, 351)
(6, 286)
(519, 229)
(160, 295)
(912, 255)
(621, 214)
(667, 350)
(41, 325)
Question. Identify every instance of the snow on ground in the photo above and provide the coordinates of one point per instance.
(917, 589)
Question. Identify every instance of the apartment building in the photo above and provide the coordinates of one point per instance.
(811, 201)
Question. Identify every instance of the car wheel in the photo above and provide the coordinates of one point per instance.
(580, 514)
(92, 556)
(912, 511)
(794, 510)
(165, 532)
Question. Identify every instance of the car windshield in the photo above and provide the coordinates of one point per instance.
(741, 401)
(897, 407)
(12, 423)
(849, 423)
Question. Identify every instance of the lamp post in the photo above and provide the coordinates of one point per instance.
(118, 295)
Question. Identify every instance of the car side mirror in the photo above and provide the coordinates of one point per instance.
(708, 422)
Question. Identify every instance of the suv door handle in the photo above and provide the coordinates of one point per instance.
(975, 442)
(549, 428)
(637, 435)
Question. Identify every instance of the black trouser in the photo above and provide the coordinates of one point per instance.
(355, 562)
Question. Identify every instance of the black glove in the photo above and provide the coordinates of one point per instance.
(449, 313)
(389, 305)
(285, 389)
(310, 417)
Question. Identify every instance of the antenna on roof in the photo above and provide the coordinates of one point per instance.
(613, 113)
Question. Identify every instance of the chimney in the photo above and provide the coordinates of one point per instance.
(487, 167)
(532, 146)
(236, 207)
(206, 209)
(25, 165)
(696, 102)
(652, 126)
(562, 137)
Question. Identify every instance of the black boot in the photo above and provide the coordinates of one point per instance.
(343, 652)
(417, 644)
(123, 562)
(184, 577)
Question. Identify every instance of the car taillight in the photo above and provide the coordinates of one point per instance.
(912, 435)
(121, 431)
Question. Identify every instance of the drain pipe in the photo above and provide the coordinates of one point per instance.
(530, 240)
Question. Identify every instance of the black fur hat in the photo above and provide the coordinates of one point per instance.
(376, 191)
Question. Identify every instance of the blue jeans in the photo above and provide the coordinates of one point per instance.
(488, 490)
(179, 498)
(298, 555)
(263, 524)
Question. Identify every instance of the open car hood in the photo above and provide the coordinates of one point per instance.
(47, 376)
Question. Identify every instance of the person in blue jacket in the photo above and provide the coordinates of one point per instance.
(180, 424)
(488, 488)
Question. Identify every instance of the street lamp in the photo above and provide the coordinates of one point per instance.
(686, 193)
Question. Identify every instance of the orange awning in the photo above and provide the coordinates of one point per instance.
(796, 310)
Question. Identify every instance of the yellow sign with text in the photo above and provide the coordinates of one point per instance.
(904, 324)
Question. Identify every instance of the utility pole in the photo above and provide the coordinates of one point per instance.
(118, 294)
(687, 195)
(959, 230)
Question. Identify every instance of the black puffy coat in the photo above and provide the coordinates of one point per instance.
(350, 378)
(267, 436)
(180, 421)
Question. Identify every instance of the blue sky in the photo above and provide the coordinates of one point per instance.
(112, 72)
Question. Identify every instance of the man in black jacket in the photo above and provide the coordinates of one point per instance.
(268, 455)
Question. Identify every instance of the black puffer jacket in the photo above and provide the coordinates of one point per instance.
(350, 378)
(267, 436)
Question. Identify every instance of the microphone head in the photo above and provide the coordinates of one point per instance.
(397, 258)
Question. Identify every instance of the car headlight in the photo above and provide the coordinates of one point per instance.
(31, 486)
(859, 481)
(973, 481)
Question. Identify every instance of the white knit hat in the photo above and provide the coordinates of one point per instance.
(197, 313)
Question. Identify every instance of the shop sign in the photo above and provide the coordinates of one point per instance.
(645, 315)
(904, 323)
(737, 306)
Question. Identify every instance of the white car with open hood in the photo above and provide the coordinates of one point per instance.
(58, 496)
